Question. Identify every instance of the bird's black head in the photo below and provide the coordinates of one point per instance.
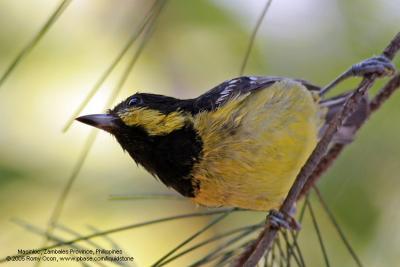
(157, 131)
(151, 113)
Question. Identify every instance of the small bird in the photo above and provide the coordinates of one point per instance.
(242, 143)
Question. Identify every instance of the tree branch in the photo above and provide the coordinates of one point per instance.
(336, 149)
(253, 254)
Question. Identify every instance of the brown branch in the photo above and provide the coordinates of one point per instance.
(268, 235)
(394, 46)
(336, 149)
(374, 105)
(252, 255)
(385, 93)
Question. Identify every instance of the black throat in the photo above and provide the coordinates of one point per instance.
(170, 157)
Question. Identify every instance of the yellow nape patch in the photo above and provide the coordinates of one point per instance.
(153, 121)
(254, 146)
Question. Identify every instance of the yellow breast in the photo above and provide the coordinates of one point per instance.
(254, 146)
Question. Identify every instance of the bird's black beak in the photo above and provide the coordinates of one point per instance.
(106, 122)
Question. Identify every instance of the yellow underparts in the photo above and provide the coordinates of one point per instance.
(153, 121)
(255, 145)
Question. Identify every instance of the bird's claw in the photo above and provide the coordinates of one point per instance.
(380, 66)
(277, 219)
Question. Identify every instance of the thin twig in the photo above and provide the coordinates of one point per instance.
(52, 237)
(105, 237)
(266, 258)
(291, 250)
(374, 105)
(281, 254)
(161, 261)
(338, 228)
(227, 255)
(75, 234)
(253, 36)
(127, 227)
(149, 17)
(55, 215)
(217, 252)
(297, 247)
(318, 232)
(35, 40)
(336, 149)
(146, 196)
(296, 234)
(273, 253)
(213, 239)
(267, 236)
(385, 93)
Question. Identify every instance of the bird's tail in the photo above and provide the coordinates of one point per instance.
(345, 134)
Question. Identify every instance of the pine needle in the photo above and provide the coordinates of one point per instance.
(35, 40)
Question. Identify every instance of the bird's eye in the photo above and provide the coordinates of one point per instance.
(134, 101)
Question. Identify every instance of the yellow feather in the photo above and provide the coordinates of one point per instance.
(254, 146)
(153, 121)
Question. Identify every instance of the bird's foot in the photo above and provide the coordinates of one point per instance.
(277, 219)
(380, 66)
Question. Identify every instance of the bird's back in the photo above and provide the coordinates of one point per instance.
(255, 144)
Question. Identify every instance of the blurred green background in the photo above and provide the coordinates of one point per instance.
(196, 45)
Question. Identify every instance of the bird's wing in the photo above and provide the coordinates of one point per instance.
(242, 85)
